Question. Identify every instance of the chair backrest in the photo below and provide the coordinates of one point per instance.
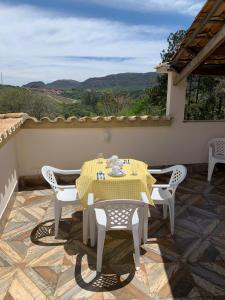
(119, 213)
(179, 173)
(48, 174)
(219, 145)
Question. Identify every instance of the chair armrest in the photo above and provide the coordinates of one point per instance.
(64, 187)
(161, 186)
(158, 171)
(151, 171)
(211, 150)
(90, 199)
(67, 172)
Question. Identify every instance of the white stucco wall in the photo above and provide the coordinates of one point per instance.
(69, 148)
(8, 173)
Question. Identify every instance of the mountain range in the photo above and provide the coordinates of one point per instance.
(122, 80)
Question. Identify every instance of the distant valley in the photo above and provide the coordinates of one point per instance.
(116, 94)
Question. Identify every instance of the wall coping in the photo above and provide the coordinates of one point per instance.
(10, 124)
(97, 122)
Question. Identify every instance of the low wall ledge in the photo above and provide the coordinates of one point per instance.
(10, 123)
(97, 122)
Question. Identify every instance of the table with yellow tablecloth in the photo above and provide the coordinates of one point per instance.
(125, 187)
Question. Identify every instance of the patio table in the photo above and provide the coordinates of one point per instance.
(125, 187)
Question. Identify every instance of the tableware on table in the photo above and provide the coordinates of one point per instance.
(108, 163)
(134, 169)
(134, 172)
(118, 163)
(100, 158)
(126, 162)
(112, 161)
(100, 175)
(117, 171)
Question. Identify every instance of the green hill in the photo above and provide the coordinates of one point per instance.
(121, 81)
(63, 84)
(33, 102)
(129, 81)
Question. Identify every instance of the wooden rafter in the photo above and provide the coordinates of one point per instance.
(213, 44)
(198, 29)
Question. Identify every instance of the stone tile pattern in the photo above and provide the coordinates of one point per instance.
(188, 265)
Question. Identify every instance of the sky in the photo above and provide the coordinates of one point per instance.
(46, 40)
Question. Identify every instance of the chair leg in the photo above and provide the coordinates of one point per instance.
(164, 211)
(149, 212)
(58, 211)
(145, 224)
(100, 247)
(85, 226)
(141, 227)
(135, 232)
(211, 166)
(171, 212)
(92, 226)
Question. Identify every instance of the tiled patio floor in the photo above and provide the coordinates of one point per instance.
(189, 265)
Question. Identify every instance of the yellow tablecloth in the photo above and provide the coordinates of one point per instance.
(126, 187)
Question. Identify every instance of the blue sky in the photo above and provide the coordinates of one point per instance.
(77, 39)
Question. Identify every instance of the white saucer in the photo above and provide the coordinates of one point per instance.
(122, 173)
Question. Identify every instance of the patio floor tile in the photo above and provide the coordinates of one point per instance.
(188, 265)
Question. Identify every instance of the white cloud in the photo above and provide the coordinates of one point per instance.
(25, 70)
(190, 7)
(35, 42)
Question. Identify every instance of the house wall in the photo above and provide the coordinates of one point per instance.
(69, 148)
(8, 173)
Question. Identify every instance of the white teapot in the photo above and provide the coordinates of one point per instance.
(114, 161)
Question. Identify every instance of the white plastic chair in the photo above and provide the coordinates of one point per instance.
(116, 215)
(64, 195)
(165, 193)
(216, 154)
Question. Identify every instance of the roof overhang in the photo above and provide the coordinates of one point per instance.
(202, 51)
(163, 68)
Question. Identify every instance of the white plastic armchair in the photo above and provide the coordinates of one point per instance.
(64, 195)
(216, 154)
(116, 214)
(165, 193)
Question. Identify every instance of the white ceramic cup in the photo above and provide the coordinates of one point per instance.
(115, 170)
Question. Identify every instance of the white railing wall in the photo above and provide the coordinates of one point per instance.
(182, 143)
(8, 173)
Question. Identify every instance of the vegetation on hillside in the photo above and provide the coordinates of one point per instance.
(205, 99)
(16, 99)
(109, 96)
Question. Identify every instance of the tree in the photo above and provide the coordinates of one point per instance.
(114, 103)
(220, 94)
(154, 100)
(90, 98)
(174, 41)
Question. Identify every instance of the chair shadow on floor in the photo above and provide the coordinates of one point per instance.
(44, 234)
(118, 268)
